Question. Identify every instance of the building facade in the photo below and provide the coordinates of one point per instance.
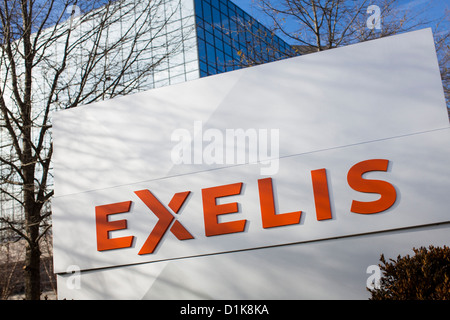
(228, 38)
(217, 36)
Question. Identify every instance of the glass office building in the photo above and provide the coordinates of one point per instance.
(218, 36)
(202, 38)
(228, 38)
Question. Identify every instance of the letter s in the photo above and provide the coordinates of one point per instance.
(385, 189)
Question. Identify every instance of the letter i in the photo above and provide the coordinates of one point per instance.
(321, 194)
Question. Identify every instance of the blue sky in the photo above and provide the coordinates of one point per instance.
(429, 9)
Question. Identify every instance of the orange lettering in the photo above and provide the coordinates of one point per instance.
(385, 189)
(211, 210)
(104, 242)
(321, 194)
(268, 214)
(165, 219)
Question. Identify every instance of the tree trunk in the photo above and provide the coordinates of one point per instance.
(32, 224)
(32, 217)
(31, 208)
(32, 273)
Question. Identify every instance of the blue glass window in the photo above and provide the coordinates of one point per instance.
(215, 3)
(211, 54)
(211, 70)
(218, 34)
(198, 8)
(221, 36)
(201, 50)
(216, 17)
(225, 24)
(201, 32)
(228, 50)
(203, 67)
(207, 16)
(208, 27)
(223, 6)
(209, 38)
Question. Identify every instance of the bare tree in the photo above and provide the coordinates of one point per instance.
(317, 25)
(324, 24)
(263, 46)
(58, 55)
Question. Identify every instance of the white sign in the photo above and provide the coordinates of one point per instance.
(349, 141)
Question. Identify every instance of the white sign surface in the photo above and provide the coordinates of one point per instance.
(344, 142)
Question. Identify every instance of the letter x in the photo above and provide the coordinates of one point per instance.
(165, 219)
